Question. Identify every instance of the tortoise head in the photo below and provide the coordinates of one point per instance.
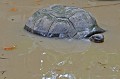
(97, 38)
(96, 35)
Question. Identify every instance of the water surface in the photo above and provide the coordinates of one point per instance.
(36, 57)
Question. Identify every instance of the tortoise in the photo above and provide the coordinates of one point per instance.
(60, 21)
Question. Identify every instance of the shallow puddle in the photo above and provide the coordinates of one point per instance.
(27, 56)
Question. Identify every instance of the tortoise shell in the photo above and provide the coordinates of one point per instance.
(62, 21)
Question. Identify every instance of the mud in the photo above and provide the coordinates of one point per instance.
(35, 57)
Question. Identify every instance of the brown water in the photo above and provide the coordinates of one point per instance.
(41, 58)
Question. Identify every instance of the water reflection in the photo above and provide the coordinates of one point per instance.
(61, 45)
(54, 75)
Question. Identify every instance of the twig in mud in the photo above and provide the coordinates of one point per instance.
(9, 48)
(102, 5)
(3, 58)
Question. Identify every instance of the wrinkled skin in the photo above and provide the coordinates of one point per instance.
(97, 38)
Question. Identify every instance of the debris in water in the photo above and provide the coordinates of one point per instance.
(10, 47)
(3, 58)
(12, 19)
(102, 64)
(15, 18)
(13, 9)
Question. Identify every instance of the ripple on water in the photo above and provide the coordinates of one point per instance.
(62, 45)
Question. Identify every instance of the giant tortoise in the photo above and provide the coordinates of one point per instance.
(60, 21)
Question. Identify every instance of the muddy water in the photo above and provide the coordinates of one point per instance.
(36, 57)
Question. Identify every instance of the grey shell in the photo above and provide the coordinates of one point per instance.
(62, 22)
